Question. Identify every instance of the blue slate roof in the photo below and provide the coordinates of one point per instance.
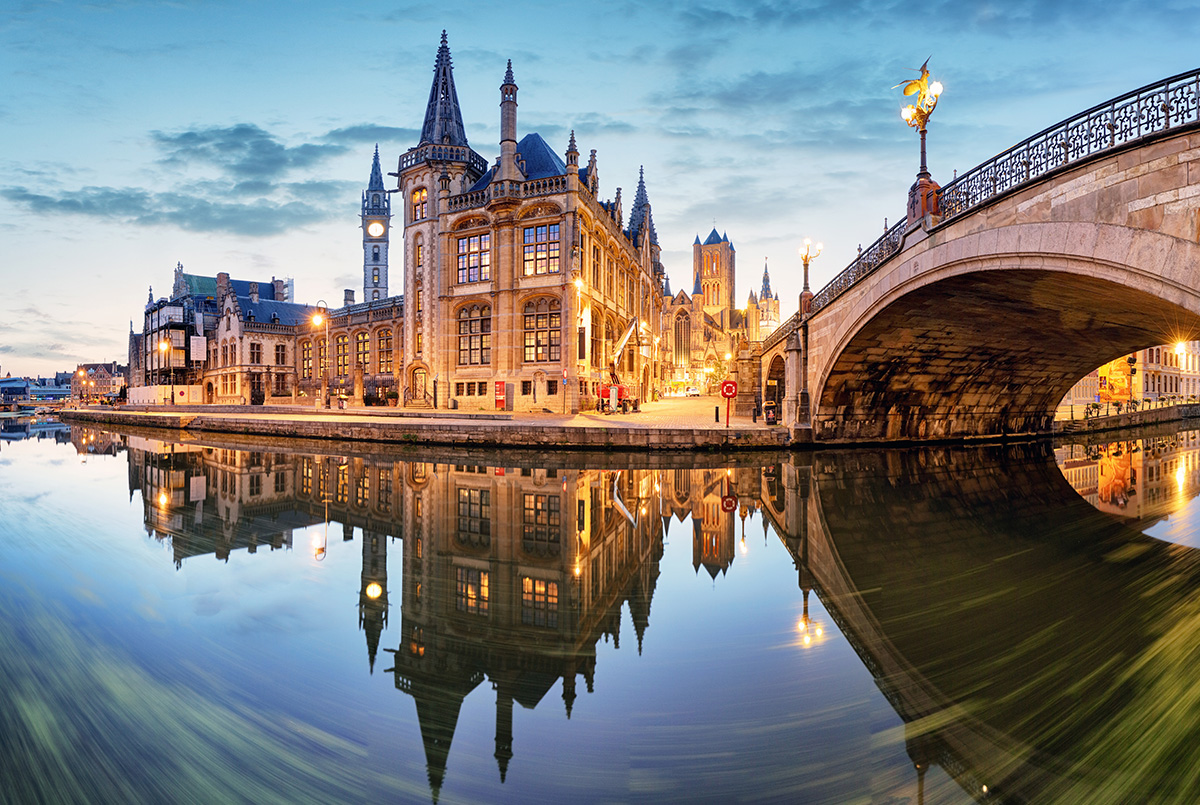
(376, 182)
(264, 310)
(443, 119)
(540, 162)
(207, 286)
(713, 238)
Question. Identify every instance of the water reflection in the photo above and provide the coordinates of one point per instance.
(1032, 641)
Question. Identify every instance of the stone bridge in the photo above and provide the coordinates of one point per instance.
(1073, 248)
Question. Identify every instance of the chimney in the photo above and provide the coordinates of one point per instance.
(280, 289)
(222, 285)
(349, 300)
(254, 292)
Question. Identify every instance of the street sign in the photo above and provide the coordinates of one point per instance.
(728, 503)
(729, 389)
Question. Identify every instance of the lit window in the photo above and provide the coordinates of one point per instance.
(539, 602)
(475, 336)
(420, 203)
(542, 525)
(543, 330)
(385, 350)
(541, 250)
(475, 258)
(342, 352)
(472, 593)
(362, 350)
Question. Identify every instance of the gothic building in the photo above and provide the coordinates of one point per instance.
(520, 279)
(702, 329)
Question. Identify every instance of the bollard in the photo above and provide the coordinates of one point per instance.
(717, 414)
(754, 416)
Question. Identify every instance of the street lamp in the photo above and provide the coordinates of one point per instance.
(163, 346)
(807, 255)
(319, 318)
(917, 115)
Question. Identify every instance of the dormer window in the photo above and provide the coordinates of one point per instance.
(274, 318)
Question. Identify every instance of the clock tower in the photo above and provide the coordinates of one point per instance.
(376, 221)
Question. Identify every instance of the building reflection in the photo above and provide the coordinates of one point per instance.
(511, 574)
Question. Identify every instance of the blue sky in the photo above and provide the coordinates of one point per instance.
(237, 136)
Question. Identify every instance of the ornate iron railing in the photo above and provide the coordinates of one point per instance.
(1143, 114)
(434, 152)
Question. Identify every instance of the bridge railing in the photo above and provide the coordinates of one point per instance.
(1143, 114)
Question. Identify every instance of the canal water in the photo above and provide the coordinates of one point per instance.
(227, 620)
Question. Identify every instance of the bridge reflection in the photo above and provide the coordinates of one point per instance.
(1025, 637)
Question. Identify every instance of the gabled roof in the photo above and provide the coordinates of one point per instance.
(713, 238)
(443, 118)
(264, 310)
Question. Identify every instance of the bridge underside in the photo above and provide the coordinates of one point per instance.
(986, 354)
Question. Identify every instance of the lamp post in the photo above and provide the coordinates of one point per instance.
(922, 198)
(807, 255)
(319, 318)
(163, 346)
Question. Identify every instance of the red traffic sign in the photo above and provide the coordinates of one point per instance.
(729, 389)
(728, 503)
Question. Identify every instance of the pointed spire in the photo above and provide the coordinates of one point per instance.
(667, 286)
(637, 214)
(508, 76)
(443, 118)
(376, 182)
(572, 152)
(766, 284)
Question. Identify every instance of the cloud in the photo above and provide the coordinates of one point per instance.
(241, 151)
(372, 133)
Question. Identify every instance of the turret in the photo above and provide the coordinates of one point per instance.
(508, 128)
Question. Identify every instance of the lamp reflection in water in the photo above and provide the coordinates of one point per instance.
(810, 631)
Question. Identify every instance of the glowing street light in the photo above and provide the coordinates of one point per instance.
(917, 115)
(319, 318)
(808, 253)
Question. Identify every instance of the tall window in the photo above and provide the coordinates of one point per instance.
(420, 343)
(342, 347)
(541, 250)
(475, 258)
(420, 203)
(385, 351)
(596, 267)
(474, 515)
(683, 340)
(472, 592)
(322, 359)
(280, 355)
(542, 524)
(418, 254)
(362, 350)
(539, 602)
(608, 278)
(543, 330)
(224, 354)
(420, 300)
(375, 254)
(255, 353)
(596, 343)
(475, 335)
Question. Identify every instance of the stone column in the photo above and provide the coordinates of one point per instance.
(793, 382)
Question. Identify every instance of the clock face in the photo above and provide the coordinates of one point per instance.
(375, 229)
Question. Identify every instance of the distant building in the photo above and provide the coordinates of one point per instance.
(94, 380)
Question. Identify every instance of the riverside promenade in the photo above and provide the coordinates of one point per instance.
(676, 423)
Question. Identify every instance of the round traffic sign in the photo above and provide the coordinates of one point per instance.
(728, 503)
(729, 389)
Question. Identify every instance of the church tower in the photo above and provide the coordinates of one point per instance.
(768, 305)
(440, 164)
(376, 223)
(713, 266)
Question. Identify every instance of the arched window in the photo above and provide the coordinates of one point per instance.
(374, 295)
(475, 335)
(683, 339)
(342, 353)
(543, 330)
(597, 342)
(362, 350)
(420, 203)
(375, 254)
(385, 350)
(306, 360)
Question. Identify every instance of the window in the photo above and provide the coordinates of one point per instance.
(475, 258)
(255, 353)
(608, 278)
(597, 349)
(419, 255)
(542, 524)
(375, 276)
(224, 354)
(551, 387)
(342, 493)
(343, 355)
(541, 250)
(375, 257)
(596, 267)
(306, 360)
(526, 387)
(543, 330)
(483, 386)
(420, 300)
(385, 490)
(362, 350)
(255, 485)
(474, 516)
(280, 380)
(420, 343)
(475, 335)
(458, 389)
(362, 489)
(280, 355)
(539, 602)
(472, 593)
(683, 340)
(420, 203)
(385, 351)
(322, 359)
(306, 477)
(375, 295)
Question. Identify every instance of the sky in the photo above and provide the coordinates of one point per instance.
(237, 135)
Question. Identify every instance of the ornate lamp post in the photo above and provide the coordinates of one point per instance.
(319, 318)
(922, 199)
(807, 255)
(163, 346)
